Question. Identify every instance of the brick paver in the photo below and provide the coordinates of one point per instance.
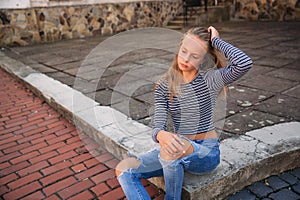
(43, 157)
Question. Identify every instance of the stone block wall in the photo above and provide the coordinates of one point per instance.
(277, 10)
(35, 25)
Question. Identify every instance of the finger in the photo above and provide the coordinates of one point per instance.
(178, 139)
(166, 150)
(170, 153)
(177, 148)
(172, 146)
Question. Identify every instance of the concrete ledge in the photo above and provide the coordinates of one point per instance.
(245, 159)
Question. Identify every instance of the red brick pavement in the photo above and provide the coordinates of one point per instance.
(42, 156)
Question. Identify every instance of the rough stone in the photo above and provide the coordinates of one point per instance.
(65, 22)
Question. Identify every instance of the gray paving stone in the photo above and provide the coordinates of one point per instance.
(40, 57)
(138, 55)
(94, 75)
(261, 54)
(295, 64)
(293, 92)
(148, 70)
(296, 188)
(29, 51)
(287, 177)
(66, 66)
(255, 71)
(168, 57)
(240, 97)
(285, 194)
(268, 83)
(154, 79)
(133, 108)
(260, 189)
(79, 50)
(270, 61)
(148, 98)
(127, 85)
(284, 73)
(292, 54)
(84, 86)
(256, 45)
(108, 82)
(296, 172)
(86, 67)
(144, 89)
(107, 97)
(42, 68)
(124, 67)
(58, 60)
(62, 77)
(276, 183)
(72, 71)
(25, 60)
(242, 122)
(281, 105)
(158, 62)
(242, 195)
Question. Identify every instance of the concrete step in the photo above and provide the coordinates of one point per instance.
(199, 17)
(175, 27)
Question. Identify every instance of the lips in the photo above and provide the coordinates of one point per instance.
(184, 65)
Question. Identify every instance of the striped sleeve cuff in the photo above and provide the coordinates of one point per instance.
(154, 134)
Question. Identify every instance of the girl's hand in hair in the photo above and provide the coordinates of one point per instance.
(213, 32)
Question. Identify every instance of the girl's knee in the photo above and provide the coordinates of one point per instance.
(127, 163)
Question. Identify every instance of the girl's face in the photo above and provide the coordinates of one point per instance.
(191, 53)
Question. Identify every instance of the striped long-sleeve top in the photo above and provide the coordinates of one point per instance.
(192, 111)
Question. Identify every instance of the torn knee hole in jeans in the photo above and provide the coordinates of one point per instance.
(135, 164)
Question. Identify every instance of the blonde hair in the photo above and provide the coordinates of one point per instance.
(174, 74)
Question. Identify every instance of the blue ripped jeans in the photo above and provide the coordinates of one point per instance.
(204, 159)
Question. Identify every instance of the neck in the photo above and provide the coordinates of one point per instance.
(189, 75)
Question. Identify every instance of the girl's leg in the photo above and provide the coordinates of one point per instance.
(173, 171)
(145, 166)
(205, 158)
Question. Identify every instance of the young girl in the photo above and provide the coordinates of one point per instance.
(188, 92)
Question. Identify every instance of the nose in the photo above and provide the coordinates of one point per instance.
(186, 58)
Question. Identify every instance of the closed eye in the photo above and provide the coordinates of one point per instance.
(196, 56)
